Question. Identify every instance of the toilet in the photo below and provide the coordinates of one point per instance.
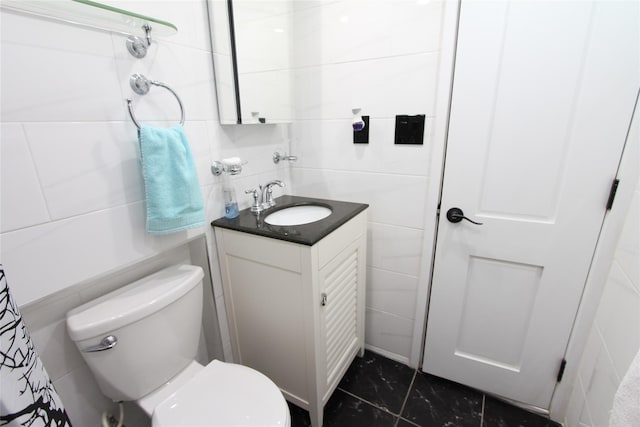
(141, 341)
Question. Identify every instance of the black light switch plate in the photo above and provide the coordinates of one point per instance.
(410, 129)
(362, 137)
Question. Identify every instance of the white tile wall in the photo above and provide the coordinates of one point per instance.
(600, 390)
(394, 248)
(55, 74)
(72, 206)
(382, 57)
(55, 348)
(344, 31)
(391, 292)
(190, 76)
(337, 150)
(44, 259)
(82, 398)
(393, 199)
(578, 415)
(388, 334)
(615, 336)
(628, 247)
(381, 87)
(23, 205)
(619, 319)
(104, 171)
(70, 175)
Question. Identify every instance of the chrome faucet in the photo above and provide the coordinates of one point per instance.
(263, 196)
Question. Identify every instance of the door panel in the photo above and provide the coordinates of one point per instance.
(490, 305)
(543, 93)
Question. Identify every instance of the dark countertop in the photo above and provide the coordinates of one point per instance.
(306, 234)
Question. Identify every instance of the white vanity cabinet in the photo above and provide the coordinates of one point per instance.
(296, 312)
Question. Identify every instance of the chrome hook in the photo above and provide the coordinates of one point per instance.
(138, 46)
(147, 32)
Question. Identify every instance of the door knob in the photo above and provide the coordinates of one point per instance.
(456, 215)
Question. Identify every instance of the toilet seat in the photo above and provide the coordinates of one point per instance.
(224, 394)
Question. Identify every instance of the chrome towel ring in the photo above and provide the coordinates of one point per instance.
(141, 85)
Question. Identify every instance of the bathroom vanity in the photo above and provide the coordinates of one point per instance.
(295, 296)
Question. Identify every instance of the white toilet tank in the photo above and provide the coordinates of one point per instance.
(156, 322)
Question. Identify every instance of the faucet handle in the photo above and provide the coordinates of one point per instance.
(267, 193)
(255, 207)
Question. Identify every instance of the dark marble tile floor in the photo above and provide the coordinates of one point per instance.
(378, 392)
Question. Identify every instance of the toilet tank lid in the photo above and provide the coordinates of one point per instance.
(132, 302)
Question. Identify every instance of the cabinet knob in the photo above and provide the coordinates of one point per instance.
(323, 299)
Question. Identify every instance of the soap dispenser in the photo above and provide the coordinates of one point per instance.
(231, 166)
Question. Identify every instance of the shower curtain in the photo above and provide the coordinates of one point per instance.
(27, 395)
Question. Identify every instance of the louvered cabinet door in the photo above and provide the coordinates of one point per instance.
(340, 320)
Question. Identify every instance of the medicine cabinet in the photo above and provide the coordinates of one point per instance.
(252, 43)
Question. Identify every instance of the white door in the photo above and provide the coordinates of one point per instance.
(543, 93)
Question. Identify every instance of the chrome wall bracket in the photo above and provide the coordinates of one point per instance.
(138, 46)
(140, 85)
(277, 157)
(218, 167)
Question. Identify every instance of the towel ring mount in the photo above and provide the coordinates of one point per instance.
(141, 85)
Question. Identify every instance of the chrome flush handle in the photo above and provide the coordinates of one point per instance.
(107, 343)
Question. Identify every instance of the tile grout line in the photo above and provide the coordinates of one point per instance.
(408, 422)
(406, 397)
(366, 401)
(369, 403)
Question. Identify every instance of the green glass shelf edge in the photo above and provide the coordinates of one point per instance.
(93, 14)
(172, 29)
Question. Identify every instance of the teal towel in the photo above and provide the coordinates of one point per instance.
(174, 201)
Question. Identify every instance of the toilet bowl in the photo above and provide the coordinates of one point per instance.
(242, 397)
(140, 343)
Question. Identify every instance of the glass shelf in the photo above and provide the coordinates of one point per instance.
(92, 14)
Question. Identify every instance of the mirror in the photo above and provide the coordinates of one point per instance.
(251, 43)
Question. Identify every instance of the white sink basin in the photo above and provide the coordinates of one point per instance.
(298, 215)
